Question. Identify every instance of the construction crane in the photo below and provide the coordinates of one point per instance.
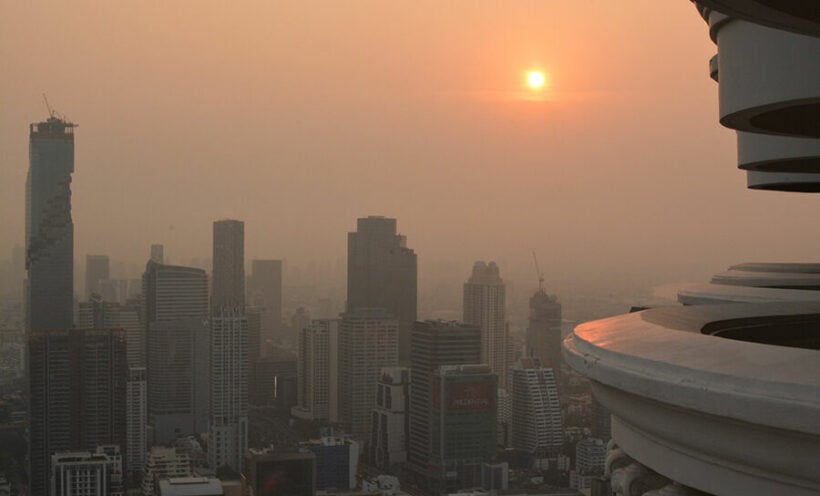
(48, 106)
(538, 271)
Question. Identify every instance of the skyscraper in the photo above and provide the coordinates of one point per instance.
(136, 422)
(388, 435)
(77, 395)
(265, 292)
(434, 344)
(177, 350)
(536, 413)
(382, 273)
(229, 348)
(544, 330)
(317, 372)
(158, 254)
(228, 284)
(485, 307)
(462, 424)
(229, 389)
(97, 270)
(368, 341)
(49, 228)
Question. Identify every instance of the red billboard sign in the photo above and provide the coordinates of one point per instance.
(471, 396)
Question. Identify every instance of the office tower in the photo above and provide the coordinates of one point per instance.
(136, 421)
(265, 292)
(484, 306)
(536, 413)
(281, 473)
(544, 330)
(337, 461)
(157, 254)
(434, 344)
(389, 432)
(88, 473)
(161, 463)
(49, 228)
(97, 313)
(381, 273)
(177, 350)
(77, 395)
(97, 271)
(368, 341)
(317, 370)
(463, 425)
(254, 315)
(228, 284)
(229, 389)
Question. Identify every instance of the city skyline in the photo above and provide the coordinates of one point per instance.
(528, 156)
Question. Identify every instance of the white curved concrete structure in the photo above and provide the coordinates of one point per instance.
(799, 16)
(719, 415)
(722, 396)
(767, 78)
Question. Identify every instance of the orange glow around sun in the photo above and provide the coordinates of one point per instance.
(536, 79)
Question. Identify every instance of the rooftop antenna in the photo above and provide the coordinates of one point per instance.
(538, 271)
(48, 106)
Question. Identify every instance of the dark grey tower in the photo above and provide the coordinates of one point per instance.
(381, 273)
(544, 330)
(97, 268)
(434, 344)
(265, 292)
(228, 284)
(49, 228)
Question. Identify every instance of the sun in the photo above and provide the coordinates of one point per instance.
(536, 79)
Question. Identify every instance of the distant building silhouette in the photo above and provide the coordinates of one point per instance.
(158, 254)
(77, 390)
(97, 272)
(228, 276)
(177, 350)
(485, 307)
(318, 370)
(368, 341)
(544, 330)
(382, 273)
(49, 228)
(265, 292)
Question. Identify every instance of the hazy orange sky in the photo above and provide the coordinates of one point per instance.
(299, 117)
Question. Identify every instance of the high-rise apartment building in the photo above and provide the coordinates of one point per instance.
(368, 341)
(388, 434)
(462, 426)
(97, 272)
(536, 413)
(229, 348)
(77, 395)
(136, 421)
(485, 307)
(88, 473)
(318, 370)
(544, 330)
(382, 273)
(228, 439)
(265, 292)
(228, 276)
(434, 344)
(49, 228)
(177, 350)
(97, 313)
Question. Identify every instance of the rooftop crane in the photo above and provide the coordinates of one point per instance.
(538, 271)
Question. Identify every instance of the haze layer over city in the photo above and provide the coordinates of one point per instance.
(300, 117)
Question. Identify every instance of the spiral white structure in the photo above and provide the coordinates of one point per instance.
(722, 395)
